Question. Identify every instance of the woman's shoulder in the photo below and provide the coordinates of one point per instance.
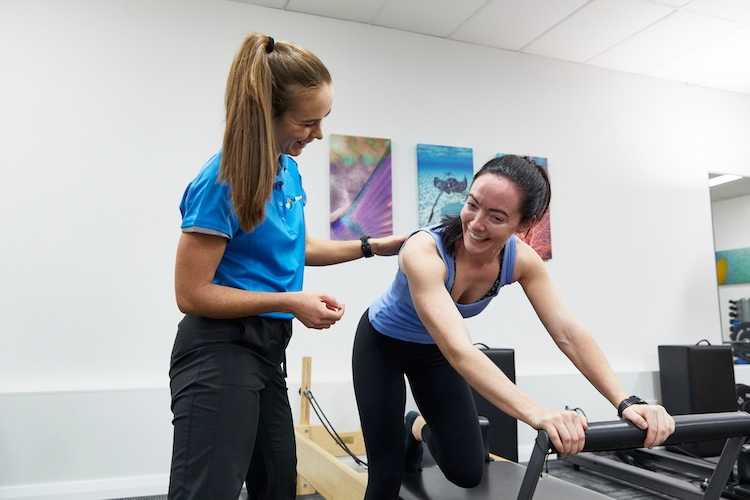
(418, 246)
(527, 260)
(422, 238)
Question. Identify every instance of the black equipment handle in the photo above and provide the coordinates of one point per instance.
(623, 435)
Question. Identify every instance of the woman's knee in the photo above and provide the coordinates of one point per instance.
(466, 474)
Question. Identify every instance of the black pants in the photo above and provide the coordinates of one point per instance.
(232, 420)
(444, 400)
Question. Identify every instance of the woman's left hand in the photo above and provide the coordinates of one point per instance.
(654, 419)
(387, 245)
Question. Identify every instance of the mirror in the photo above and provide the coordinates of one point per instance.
(730, 211)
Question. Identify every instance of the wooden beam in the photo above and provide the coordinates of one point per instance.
(304, 405)
(303, 487)
(330, 477)
(320, 436)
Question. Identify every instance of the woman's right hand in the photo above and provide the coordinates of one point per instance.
(317, 309)
(565, 429)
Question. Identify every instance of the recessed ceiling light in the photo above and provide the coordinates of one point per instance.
(721, 179)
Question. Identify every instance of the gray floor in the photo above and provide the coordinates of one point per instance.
(243, 496)
(601, 483)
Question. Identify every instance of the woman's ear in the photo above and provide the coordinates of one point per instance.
(528, 225)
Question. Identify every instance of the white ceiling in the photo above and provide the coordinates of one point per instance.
(734, 189)
(698, 42)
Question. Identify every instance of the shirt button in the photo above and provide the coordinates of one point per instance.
(281, 204)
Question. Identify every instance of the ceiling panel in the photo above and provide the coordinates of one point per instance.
(664, 41)
(512, 24)
(274, 4)
(362, 11)
(736, 10)
(595, 28)
(674, 3)
(427, 16)
(720, 64)
(701, 42)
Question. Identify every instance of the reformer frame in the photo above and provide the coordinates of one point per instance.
(318, 456)
(623, 435)
(321, 470)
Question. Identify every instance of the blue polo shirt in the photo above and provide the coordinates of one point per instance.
(271, 258)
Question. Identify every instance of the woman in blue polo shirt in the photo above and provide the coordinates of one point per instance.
(238, 279)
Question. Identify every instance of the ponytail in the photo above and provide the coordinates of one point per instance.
(249, 156)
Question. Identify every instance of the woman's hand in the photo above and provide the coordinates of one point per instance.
(316, 309)
(565, 429)
(387, 245)
(654, 419)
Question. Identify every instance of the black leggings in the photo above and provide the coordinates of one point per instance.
(444, 399)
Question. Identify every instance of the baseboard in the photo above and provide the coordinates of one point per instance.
(101, 489)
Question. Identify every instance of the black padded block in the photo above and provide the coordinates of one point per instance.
(503, 432)
(697, 379)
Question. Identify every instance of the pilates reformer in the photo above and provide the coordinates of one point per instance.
(508, 480)
(713, 478)
(321, 470)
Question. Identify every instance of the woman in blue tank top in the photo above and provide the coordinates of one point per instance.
(416, 328)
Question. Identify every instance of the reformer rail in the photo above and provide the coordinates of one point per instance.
(623, 435)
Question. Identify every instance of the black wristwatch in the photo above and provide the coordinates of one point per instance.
(366, 250)
(626, 403)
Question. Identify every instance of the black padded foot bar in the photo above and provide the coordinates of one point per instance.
(622, 435)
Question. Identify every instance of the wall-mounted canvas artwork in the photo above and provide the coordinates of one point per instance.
(733, 266)
(361, 195)
(540, 236)
(444, 175)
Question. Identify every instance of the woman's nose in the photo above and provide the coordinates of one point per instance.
(476, 223)
(317, 131)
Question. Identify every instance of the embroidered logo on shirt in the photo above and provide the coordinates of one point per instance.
(290, 202)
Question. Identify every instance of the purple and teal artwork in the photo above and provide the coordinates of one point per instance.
(540, 236)
(733, 266)
(361, 195)
(444, 175)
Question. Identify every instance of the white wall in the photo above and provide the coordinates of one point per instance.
(731, 219)
(110, 108)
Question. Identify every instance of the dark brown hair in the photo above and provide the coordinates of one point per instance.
(530, 178)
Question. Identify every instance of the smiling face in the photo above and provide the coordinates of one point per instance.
(302, 122)
(491, 214)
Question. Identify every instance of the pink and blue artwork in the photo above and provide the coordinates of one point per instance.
(444, 175)
(540, 236)
(361, 194)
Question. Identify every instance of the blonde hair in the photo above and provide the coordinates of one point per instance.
(263, 83)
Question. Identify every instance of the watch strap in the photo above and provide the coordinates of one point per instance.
(628, 402)
(366, 248)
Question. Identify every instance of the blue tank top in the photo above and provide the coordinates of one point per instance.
(393, 313)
